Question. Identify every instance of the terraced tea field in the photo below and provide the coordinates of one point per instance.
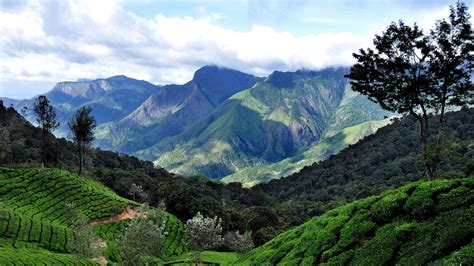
(423, 223)
(34, 219)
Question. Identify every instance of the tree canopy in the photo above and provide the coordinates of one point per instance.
(409, 71)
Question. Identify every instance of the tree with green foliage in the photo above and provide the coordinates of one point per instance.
(204, 234)
(144, 236)
(83, 242)
(82, 245)
(240, 243)
(81, 127)
(46, 118)
(416, 73)
(5, 144)
(451, 66)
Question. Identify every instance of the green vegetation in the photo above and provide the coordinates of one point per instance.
(41, 195)
(21, 256)
(430, 71)
(35, 221)
(416, 224)
(221, 258)
(275, 119)
(21, 145)
(384, 160)
(317, 152)
(172, 109)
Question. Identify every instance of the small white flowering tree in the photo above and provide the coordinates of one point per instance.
(240, 243)
(204, 234)
(138, 193)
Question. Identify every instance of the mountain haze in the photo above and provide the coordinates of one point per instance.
(111, 99)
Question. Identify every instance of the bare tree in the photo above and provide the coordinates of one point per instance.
(46, 118)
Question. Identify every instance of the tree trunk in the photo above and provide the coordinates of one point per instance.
(80, 157)
(44, 149)
(423, 121)
(198, 259)
(439, 138)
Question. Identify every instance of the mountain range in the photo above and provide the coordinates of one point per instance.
(223, 121)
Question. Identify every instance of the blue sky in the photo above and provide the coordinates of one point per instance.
(44, 42)
(300, 17)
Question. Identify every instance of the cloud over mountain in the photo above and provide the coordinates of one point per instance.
(59, 40)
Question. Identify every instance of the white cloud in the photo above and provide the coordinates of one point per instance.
(66, 40)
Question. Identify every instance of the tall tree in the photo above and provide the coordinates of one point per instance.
(46, 118)
(81, 127)
(416, 73)
(451, 65)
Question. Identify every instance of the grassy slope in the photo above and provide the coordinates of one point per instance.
(264, 125)
(214, 257)
(420, 223)
(252, 127)
(317, 152)
(35, 221)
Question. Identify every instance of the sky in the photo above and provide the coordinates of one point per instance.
(164, 42)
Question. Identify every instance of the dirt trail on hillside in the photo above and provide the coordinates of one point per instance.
(128, 213)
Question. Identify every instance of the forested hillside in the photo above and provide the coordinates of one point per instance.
(386, 159)
(268, 209)
(20, 144)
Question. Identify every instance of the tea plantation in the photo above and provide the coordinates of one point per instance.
(420, 223)
(34, 224)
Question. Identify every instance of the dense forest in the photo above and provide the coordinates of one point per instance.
(379, 162)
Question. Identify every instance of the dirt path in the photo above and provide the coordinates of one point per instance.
(128, 213)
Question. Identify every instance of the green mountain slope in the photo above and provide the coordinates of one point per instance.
(173, 108)
(34, 216)
(111, 99)
(420, 223)
(317, 152)
(272, 121)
